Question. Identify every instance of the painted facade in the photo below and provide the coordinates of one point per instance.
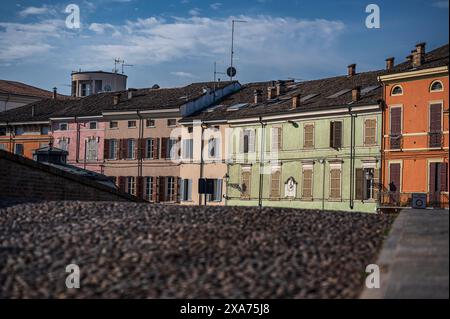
(416, 134)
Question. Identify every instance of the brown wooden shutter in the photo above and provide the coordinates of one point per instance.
(359, 185)
(335, 184)
(332, 134)
(396, 121)
(309, 136)
(307, 191)
(177, 182)
(142, 144)
(164, 142)
(394, 177)
(444, 177)
(124, 150)
(162, 189)
(156, 148)
(155, 197)
(338, 134)
(275, 185)
(140, 186)
(122, 182)
(106, 149)
(435, 117)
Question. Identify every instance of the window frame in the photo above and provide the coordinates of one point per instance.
(61, 124)
(168, 122)
(89, 151)
(434, 82)
(376, 131)
(131, 121)
(397, 86)
(131, 181)
(330, 198)
(313, 135)
(150, 126)
(113, 128)
(112, 150)
(96, 125)
(310, 169)
(133, 152)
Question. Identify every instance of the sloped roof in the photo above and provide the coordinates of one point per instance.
(18, 88)
(143, 99)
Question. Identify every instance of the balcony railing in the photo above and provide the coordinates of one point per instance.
(396, 142)
(399, 200)
(435, 139)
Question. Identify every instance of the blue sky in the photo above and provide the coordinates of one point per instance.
(174, 42)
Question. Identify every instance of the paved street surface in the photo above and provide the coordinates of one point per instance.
(414, 261)
(132, 250)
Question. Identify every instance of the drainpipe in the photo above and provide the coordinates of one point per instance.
(141, 136)
(77, 156)
(261, 163)
(381, 177)
(202, 125)
(352, 154)
(322, 161)
(85, 153)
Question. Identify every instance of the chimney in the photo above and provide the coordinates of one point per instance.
(296, 101)
(271, 92)
(356, 94)
(55, 93)
(419, 54)
(280, 86)
(390, 63)
(258, 96)
(351, 69)
(32, 110)
(409, 58)
(130, 93)
(116, 99)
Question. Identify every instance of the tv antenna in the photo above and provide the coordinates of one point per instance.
(125, 65)
(231, 71)
(217, 72)
(116, 62)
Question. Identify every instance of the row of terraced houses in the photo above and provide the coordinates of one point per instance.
(363, 141)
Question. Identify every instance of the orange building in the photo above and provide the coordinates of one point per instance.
(416, 129)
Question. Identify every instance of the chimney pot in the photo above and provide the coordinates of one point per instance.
(296, 101)
(130, 93)
(116, 99)
(271, 92)
(418, 54)
(258, 96)
(55, 93)
(280, 86)
(390, 63)
(356, 94)
(351, 69)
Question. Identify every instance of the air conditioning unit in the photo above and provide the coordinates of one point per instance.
(419, 200)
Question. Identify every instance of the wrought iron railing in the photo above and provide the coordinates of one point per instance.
(396, 199)
(396, 142)
(435, 139)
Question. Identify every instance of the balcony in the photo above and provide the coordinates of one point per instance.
(396, 142)
(435, 139)
(403, 200)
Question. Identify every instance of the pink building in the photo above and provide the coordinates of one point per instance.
(83, 138)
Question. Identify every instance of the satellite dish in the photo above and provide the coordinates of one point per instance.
(231, 72)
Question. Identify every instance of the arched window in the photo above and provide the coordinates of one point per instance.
(397, 90)
(436, 86)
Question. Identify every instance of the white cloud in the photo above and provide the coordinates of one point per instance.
(194, 12)
(33, 11)
(441, 4)
(216, 5)
(102, 28)
(183, 74)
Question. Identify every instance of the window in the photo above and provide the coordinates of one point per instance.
(366, 180)
(336, 134)
(276, 139)
(98, 86)
(131, 146)
(171, 148)
(437, 181)
(63, 143)
(63, 126)
(335, 183)
(308, 138)
(85, 89)
(275, 184)
(112, 149)
(171, 122)
(370, 132)
(212, 148)
(131, 124)
(149, 148)
(92, 125)
(45, 129)
(148, 188)
(92, 149)
(307, 190)
(170, 190)
(131, 185)
(188, 148)
(2, 131)
(150, 123)
(397, 90)
(435, 127)
(2, 147)
(246, 178)
(113, 124)
(217, 191)
(396, 128)
(247, 141)
(186, 190)
(18, 149)
(436, 86)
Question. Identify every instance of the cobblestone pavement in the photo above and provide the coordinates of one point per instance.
(414, 261)
(132, 250)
